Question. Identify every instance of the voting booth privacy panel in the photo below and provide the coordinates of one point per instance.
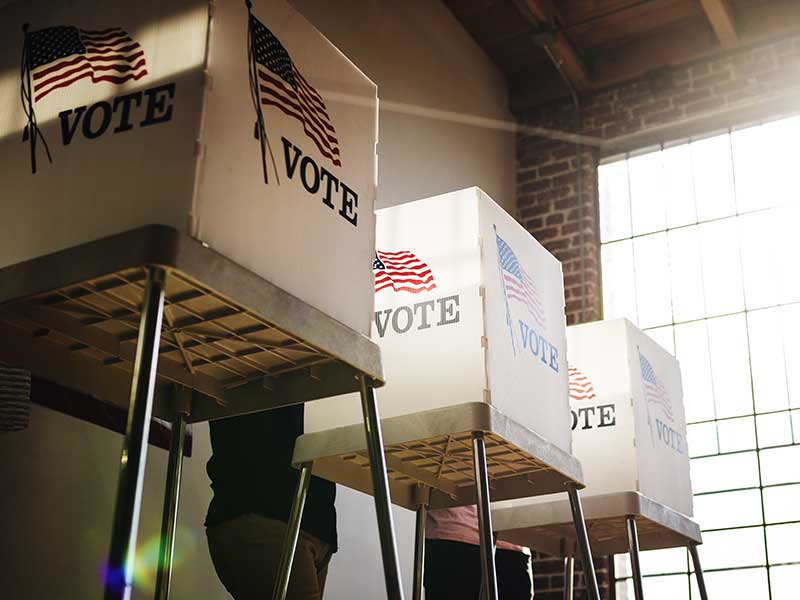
(163, 112)
(628, 421)
(468, 308)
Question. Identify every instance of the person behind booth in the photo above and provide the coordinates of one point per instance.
(453, 559)
(254, 485)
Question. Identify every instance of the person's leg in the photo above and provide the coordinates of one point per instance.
(246, 551)
(320, 554)
(452, 570)
(513, 575)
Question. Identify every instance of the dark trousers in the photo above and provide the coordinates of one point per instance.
(453, 571)
(246, 551)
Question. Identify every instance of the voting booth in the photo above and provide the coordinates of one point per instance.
(629, 432)
(188, 201)
(628, 420)
(469, 315)
(155, 113)
(469, 308)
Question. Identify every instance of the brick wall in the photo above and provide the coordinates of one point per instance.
(739, 87)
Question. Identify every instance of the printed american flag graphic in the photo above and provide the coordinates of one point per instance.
(62, 55)
(519, 285)
(281, 85)
(402, 271)
(654, 390)
(580, 388)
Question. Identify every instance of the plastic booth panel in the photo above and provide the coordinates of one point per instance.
(149, 111)
(468, 308)
(629, 426)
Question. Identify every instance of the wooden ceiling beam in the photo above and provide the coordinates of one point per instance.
(683, 43)
(546, 16)
(720, 15)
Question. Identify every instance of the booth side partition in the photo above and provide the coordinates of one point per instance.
(155, 112)
(469, 308)
(628, 420)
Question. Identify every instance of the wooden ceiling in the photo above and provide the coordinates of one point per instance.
(600, 43)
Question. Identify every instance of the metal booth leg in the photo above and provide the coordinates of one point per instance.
(119, 570)
(380, 487)
(698, 571)
(583, 541)
(419, 551)
(633, 545)
(292, 533)
(169, 519)
(569, 577)
(484, 515)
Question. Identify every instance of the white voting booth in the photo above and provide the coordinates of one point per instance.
(629, 432)
(147, 112)
(469, 308)
(469, 316)
(627, 416)
(628, 421)
(190, 181)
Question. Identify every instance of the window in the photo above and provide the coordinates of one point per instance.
(700, 248)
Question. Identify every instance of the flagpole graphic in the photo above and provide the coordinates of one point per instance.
(505, 296)
(260, 131)
(31, 131)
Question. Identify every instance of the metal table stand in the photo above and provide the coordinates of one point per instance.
(617, 523)
(159, 323)
(440, 459)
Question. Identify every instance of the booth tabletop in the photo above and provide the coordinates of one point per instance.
(240, 342)
(432, 450)
(547, 526)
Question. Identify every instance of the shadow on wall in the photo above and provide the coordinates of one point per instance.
(59, 480)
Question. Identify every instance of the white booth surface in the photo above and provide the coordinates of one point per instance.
(149, 112)
(469, 307)
(628, 421)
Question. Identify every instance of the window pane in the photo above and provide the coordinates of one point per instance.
(784, 582)
(619, 293)
(780, 140)
(652, 280)
(702, 439)
(730, 367)
(761, 261)
(791, 347)
(615, 210)
(782, 504)
(678, 186)
(728, 472)
(780, 465)
(622, 565)
(691, 345)
(766, 360)
(782, 543)
(671, 560)
(648, 212)
(686, 274)
(721, 267)
(754, 164)
(796, 426)
(774, 429)
(713, 177)
(731, 509)
(663, 336)
(785, 235)
(736, 434)
(666, 587)
(737, 548)
(624, 590)
(748, 583)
